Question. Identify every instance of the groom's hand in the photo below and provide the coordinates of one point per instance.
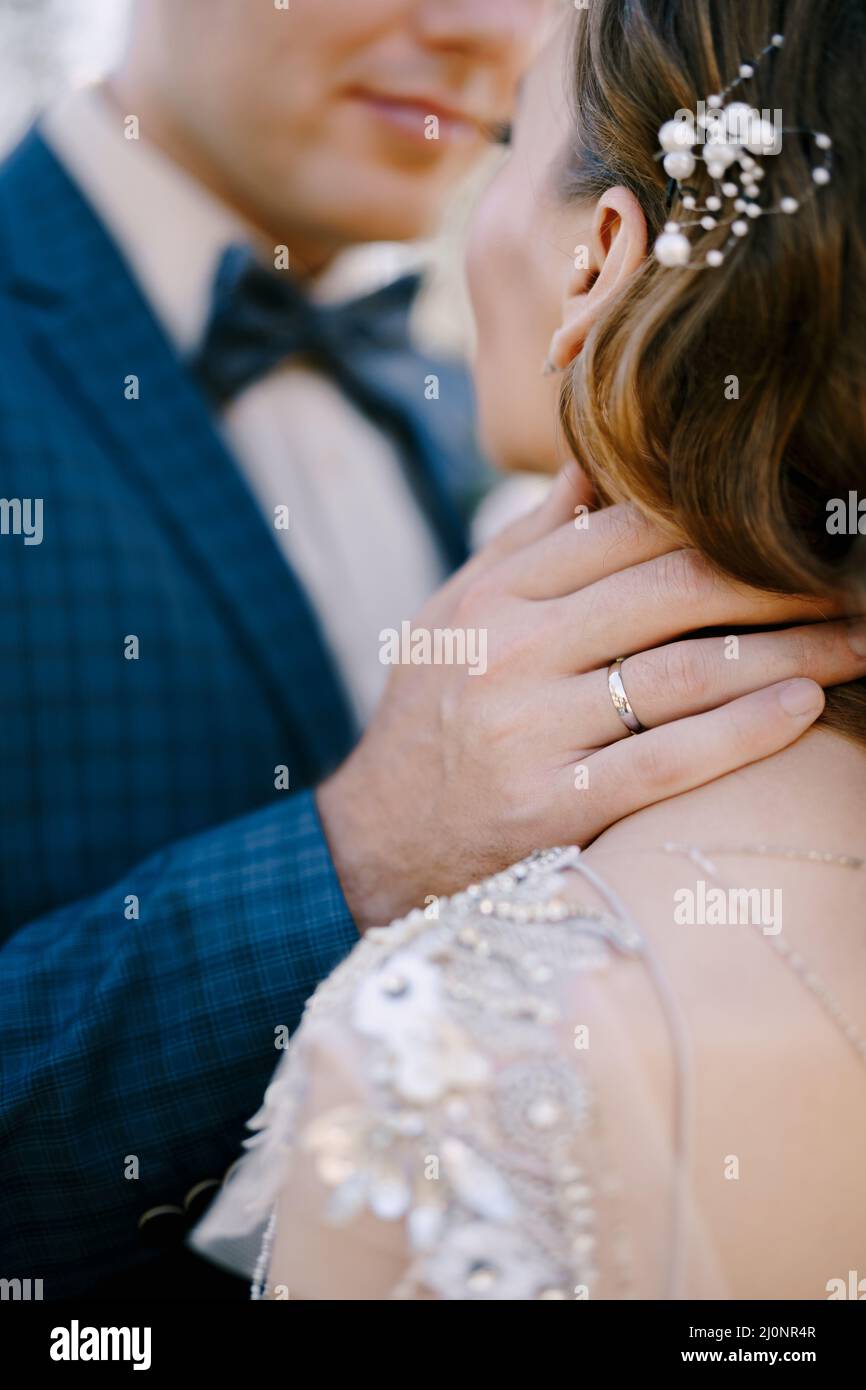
(459, 774)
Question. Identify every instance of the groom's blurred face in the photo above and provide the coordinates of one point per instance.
(337, 120)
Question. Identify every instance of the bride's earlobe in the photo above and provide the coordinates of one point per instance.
(549, 367)
(569, 338)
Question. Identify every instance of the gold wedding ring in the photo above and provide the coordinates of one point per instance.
(621, 702)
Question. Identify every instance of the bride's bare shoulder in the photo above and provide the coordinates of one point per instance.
(812, 794)
(763, 827)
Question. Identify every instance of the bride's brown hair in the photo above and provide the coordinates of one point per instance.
(647, 406)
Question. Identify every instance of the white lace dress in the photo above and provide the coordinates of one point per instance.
(487, 1100)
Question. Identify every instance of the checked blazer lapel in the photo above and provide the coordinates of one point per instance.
(90, 323)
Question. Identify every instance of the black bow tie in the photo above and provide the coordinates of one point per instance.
(260, 317)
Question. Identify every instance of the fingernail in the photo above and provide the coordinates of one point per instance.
(801, 697)
(857, 636)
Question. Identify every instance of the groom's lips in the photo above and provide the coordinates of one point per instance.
(407, 115)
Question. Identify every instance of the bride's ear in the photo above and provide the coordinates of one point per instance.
(618, 247)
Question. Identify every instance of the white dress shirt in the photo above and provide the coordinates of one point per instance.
(356, 538)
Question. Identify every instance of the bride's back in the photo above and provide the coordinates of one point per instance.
(750, 894)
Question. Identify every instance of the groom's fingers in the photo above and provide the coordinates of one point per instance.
(694, 676)
(660, 600)
(587, 548)
(661, 763)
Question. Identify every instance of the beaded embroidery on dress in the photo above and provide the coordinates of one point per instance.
(464, 1067)
(468, 1083)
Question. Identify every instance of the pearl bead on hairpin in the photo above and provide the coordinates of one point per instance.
(734, 138)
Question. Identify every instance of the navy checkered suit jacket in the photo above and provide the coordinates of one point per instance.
(141, 1045)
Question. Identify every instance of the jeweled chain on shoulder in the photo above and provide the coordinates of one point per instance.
(812, 981)
(806, 856)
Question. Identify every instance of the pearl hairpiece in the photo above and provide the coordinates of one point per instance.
(735, 139)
